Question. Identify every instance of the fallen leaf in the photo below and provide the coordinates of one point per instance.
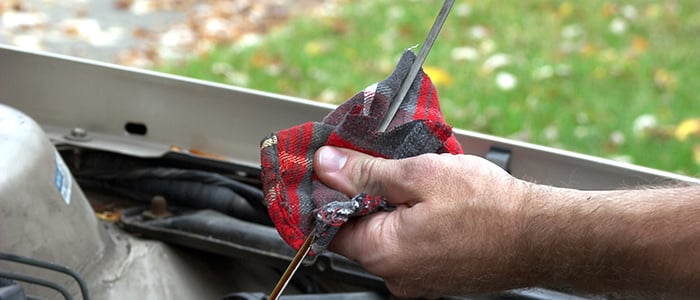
(618, 26)
(609, 9)
(206, 154)
(643, 124)
(261, 59)
(438, 76)
(464, 53)
(315, 48)
(565, 9)
(629, 11)
(496, 61)
(340, 27)
(109, 216)
(640, 44)
(329, 95)
(123, 4)
(589, 49)
(664, 79)
(506, 81)
(687, 128)
(652, 11)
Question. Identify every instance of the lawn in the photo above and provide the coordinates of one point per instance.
(616, 79)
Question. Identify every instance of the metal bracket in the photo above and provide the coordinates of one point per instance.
(499, 156)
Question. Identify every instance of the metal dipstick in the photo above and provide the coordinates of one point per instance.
(417, 64)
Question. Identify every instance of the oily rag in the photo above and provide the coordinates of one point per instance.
(299, 204)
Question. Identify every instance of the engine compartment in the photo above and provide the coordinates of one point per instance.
(204, 205)
(80, 221)
(105, 123)
(97, 224)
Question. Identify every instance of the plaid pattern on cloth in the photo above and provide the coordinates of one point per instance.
(299, 204)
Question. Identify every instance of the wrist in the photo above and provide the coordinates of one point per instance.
(608, 241)
(529, 234)
(554, 234)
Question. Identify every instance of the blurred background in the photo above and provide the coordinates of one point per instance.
(616, 79)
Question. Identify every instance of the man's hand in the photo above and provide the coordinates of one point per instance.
(462, 225)
(454, 230)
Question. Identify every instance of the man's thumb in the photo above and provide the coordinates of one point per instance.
(352, 172)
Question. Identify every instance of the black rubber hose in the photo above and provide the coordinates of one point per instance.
(38, 281)
(217, 226)
(50, 266)
(190, 188)
(141, 179)
(6, 282)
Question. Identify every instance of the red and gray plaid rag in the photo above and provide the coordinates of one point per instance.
(299, 204)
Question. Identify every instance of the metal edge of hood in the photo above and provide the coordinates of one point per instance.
(63, 92)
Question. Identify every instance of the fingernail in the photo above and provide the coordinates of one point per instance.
(330, 159)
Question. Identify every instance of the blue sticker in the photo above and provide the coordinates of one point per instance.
(63, 180)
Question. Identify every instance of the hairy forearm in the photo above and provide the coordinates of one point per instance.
(614, 241)
(476, 229)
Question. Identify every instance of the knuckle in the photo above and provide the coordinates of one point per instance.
(420, 171)
(369, 175)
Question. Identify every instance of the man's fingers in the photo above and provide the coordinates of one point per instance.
(373, 234)
(352, 172)
(349, 240)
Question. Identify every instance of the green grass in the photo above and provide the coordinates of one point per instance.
(580, 85)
